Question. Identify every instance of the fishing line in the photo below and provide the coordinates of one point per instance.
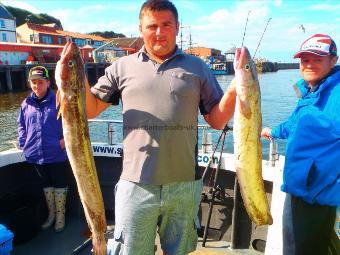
(226, 129)
(245, 29)
(261, 37)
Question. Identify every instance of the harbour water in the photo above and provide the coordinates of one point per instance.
(278, 100)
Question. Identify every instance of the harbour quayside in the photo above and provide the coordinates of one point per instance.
(228, 230)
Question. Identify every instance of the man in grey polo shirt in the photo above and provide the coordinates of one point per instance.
(161, 89)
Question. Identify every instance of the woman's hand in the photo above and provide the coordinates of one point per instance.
(267, 133)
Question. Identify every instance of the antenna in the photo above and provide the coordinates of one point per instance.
(181, 41)
(261, 37)
(181, 35)
(190, 41)
(245, 28)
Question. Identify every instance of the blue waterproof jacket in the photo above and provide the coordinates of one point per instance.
(312, 163)
(40, 131)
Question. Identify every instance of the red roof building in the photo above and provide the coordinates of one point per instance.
(52, 34)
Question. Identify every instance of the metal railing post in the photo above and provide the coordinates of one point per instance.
(273, 152)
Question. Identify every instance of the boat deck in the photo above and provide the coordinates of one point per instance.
(73, 241)
(51, 243)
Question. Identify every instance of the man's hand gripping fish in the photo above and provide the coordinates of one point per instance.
(247, 144)
(70, 78)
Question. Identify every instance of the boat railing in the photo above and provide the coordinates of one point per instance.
(110, 125)
(206, 143)
(273, 152)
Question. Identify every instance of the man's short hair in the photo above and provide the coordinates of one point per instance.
(158, 5)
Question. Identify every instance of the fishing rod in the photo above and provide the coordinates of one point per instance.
(261, 37)
(245, 29)
(215, 189)
(226, 128)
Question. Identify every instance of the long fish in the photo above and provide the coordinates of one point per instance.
(247, 144)
(70, 79)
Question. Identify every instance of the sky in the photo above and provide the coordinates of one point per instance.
(218, 24)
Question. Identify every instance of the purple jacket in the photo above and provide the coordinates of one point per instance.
(40, 131)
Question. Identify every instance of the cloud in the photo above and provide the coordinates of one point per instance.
(218, 17)
(186, 5)
(278, 3)
(224, 28)
(325, 7)
(91, 18)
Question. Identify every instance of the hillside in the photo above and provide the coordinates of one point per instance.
(23, 15)
(107, 34)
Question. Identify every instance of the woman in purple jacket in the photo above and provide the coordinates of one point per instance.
(41, 139)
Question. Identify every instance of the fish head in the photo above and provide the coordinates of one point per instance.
(247, 85)
(245, 69)
(69, 73)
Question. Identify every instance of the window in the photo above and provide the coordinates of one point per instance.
(79, 42)
(59, 40)
(34, 38)
(98, 43)
(2, 23)
(46, 39)
(4, 37)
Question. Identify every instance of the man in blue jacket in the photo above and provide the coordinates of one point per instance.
(312, 170)
(41, 139)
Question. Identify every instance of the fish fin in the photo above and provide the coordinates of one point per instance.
(245, 108)
(59, 104)
(57, 98)
(233, 83)
(59, 114)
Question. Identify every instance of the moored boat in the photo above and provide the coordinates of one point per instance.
(218, 68)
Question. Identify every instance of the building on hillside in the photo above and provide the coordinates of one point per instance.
(39, 34)
(7, 26)
(42, 44)
(108, 53)
(81, 40)
(109, 56)
(52, 34)
(54, 25)
(116, 48)
(203, 52)
(129, 44)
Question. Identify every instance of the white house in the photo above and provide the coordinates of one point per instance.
(7, 26)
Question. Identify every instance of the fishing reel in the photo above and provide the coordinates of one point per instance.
(220, 194)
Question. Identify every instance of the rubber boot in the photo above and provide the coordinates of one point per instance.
(60, 202)
(49, 196)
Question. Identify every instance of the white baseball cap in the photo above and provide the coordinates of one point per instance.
(318, 44)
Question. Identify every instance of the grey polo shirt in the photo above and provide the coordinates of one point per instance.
(160, 110)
